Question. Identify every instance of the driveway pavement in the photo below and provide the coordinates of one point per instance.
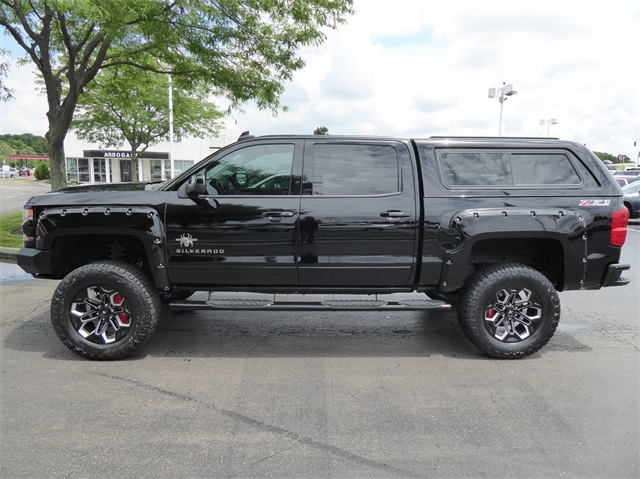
(14, 192)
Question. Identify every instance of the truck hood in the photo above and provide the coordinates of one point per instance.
(114, 194)
(109, 187)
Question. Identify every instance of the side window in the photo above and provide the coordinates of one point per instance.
(254, 170)
(351, 170)
(543, 169)
(507, 169)
(475, 168)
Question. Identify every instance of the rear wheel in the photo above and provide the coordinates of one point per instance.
(105, 310)
(509, 310)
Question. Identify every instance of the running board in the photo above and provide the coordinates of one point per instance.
(327, 305)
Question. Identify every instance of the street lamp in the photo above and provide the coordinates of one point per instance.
(171, 160)
(551, 121)
(501, 93)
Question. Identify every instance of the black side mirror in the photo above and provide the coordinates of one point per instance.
(241, 179)
(196, 186)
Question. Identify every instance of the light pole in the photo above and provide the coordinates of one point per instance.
(551, 121)
(171, 160)
(501, 93)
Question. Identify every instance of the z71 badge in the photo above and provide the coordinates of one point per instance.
(595, 202)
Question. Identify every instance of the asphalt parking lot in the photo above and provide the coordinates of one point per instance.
(14, 192)
(306, 395)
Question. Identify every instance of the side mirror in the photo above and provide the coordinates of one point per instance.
(196, 186)
(241, 179)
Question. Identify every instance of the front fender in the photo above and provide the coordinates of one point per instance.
(142, 222)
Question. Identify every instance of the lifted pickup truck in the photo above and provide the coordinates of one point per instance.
(495, 226)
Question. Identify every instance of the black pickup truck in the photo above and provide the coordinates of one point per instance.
(495, 226)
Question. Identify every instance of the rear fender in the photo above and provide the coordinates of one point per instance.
(568, 227)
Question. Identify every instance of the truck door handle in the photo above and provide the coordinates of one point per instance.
(395, 214)
(278, 214)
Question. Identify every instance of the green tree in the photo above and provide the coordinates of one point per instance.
(5, 150)
(42, 171)
(321, 130)
(606, 156)
(129, 104)
(246, 50)
(6, 93)
(24, 140)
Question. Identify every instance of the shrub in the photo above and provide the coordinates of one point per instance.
(42, 171)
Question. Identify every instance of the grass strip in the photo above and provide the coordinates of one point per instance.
(10, 233)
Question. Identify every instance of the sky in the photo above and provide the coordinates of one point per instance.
(417, 68)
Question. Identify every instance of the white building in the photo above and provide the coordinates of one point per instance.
(88, 163)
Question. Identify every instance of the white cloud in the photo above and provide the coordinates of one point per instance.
(420, 68)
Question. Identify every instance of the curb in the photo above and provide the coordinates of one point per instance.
(9, 255)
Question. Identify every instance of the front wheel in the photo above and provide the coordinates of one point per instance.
(105, 310)
(509, 310)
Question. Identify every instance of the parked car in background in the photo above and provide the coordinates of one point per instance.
(624, 180)
(632, 198)
(23, 171)
(8, 171)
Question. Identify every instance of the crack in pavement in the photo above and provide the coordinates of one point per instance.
(307, 441)
(255, 463)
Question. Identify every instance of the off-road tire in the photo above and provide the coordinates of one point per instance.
(110, 297)
(497, 303)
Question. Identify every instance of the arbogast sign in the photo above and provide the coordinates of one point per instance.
(125, 155)
(117, 154)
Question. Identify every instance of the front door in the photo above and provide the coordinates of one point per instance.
(241, 232)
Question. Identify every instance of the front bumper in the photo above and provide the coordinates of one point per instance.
(35, 261)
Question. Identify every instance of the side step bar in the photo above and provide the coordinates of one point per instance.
(327, 305)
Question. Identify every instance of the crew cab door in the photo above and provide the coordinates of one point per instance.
(358, 214)
(241, 231)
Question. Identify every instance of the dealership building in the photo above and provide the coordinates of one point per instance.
(86, 164)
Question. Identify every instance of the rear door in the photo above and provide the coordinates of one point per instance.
(358, 214)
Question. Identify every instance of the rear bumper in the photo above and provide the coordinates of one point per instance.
(35, 261)
(613, 276)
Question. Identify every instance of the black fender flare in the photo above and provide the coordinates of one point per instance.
(142, 222)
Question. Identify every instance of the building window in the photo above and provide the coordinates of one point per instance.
(78, 170)
(156, 168)
(100, 170)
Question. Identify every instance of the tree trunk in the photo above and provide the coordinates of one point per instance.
(57, 161)
(59, 116)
